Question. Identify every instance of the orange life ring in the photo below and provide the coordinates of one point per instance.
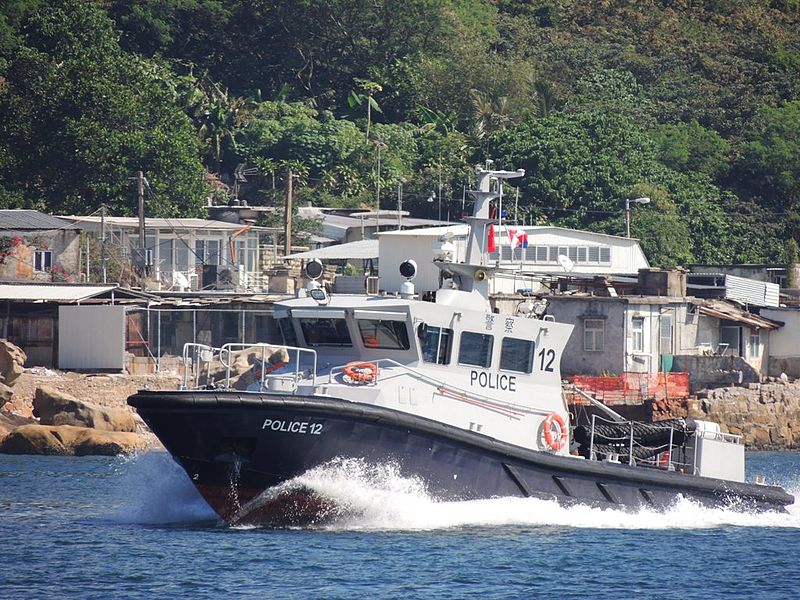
(361, 371)
(555, 442)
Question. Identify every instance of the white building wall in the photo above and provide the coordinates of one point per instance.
(783, 341)
(91, 337)
(418, 244)
(626, 254)
(415, 244)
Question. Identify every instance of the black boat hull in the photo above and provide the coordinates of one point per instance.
(236, 445)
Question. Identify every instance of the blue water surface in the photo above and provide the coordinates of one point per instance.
(135, 528)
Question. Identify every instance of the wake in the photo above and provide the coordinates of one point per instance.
(359, 496)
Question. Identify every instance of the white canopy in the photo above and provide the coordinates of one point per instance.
(362, 249)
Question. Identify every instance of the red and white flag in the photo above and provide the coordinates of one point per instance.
(518, 238)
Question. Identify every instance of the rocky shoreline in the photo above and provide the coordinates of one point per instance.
(60, 413)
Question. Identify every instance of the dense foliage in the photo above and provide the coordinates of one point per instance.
(695, 104)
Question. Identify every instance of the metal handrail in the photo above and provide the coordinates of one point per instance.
(632, 443)
(440, 384)
(195, 362)
(228, 350)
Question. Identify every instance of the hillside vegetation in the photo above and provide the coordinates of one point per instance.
(695, 104)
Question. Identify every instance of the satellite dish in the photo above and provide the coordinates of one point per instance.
(566, 262)
(180, 281)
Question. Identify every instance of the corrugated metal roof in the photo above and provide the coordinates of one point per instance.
(731, 313)
(161, 223)
(750, 291)
(31, 292)
(23, 219)
(361, 249)
(456, 230)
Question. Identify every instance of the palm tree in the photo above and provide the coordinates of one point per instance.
(369, 89)
(490, 116)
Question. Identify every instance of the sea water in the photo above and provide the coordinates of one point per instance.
(135, 528)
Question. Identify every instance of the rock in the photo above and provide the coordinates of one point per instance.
(242, 369)
(761, 438)
(70, 441)
(54, 407)
(12, 362)
(9, 422)
(6, 393)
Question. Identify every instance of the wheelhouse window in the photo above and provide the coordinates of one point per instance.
(436, 343)
(593, 333)
(385, 335)
(516, 355)
(288, 332)
(325, 332)
(475, 349)
(42, 260)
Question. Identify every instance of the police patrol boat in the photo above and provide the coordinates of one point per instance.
(465, 399)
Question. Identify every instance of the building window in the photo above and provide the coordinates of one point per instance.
(593, 334)
(605, 255)
(729, 341)
(572, 253)
(754, 345)
(42, 260)
(475, 349)
(165, 248)
(582, 254)
(181, 255)
(516, 355)
(207, 252)
(665, 334)
(594, 254)
(436, 343)
(637, 333)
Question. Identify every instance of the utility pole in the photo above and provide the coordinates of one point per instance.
(378, 145)
(287, 222)
(399, 205)
(103, 240)
(440, 188)
(140, 192)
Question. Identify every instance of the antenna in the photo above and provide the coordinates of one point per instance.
(566, 263)
(239, 177)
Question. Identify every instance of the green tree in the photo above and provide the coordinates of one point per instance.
(78, 118)
(689, 147)
(663, 234)
(792, 258)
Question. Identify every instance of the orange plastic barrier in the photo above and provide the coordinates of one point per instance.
(631, 388)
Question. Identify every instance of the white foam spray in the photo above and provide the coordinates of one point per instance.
(153, 489)
(377, 497)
